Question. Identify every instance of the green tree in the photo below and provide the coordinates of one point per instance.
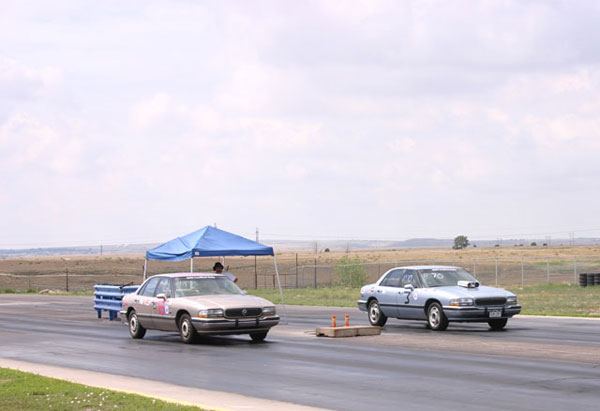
(351, 271)
(460, 242)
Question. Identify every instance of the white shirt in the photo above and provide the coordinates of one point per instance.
(229, 275)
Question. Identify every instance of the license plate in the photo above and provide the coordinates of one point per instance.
(495, 313)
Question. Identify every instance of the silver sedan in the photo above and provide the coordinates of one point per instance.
(438, 295)
(194, 304)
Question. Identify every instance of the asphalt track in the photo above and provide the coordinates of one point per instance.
(535, 364)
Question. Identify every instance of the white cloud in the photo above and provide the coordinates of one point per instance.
(148, 112)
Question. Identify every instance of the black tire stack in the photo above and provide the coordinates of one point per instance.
(589, 279)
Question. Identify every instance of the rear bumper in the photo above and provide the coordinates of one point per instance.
(233, 326)
(479, 313)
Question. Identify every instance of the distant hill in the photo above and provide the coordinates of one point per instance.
(290, 245)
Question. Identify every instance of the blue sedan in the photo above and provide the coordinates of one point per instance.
(438, 295)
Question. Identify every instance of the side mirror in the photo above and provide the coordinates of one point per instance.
(409, 287)
(161, 296)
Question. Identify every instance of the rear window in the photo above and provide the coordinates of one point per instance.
(441, 277)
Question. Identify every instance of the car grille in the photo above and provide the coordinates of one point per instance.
(491, 301)
(243, 312)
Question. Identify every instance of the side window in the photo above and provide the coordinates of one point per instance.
(409, 277)
(164, 287)
(392, 279)
(150, 287)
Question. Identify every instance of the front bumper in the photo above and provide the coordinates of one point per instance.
(233, 326)
(362, 305)
(479, 313)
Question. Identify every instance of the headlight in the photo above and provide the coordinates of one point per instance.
(461, 302)
(511, 300)
(212, 313)
(268, 311)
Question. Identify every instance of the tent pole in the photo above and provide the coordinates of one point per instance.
(191, 264)
(279, 284)
(145, 264)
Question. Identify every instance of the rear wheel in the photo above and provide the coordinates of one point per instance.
(259, 335)
(436, 319)
(497, 325)
(376, 317)
(186, 329)
(135, 328)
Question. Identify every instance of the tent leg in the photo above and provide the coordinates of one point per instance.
(145, 264)
(279, 285)
(191, 264)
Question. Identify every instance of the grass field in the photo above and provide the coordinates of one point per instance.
(25, 391)
(561, 300)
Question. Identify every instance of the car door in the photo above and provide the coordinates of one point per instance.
(387, 292)
(143, 302)
(409, 306)
(162, 316)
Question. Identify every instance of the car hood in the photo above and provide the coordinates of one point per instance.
(456, 291)
(226, 301)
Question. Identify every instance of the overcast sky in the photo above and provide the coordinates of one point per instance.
(140, 121)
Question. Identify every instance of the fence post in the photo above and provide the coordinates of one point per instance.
(315, 286)
(574, 269)
(496, 261)
(474, 270)
(296, 270)
(522, 273)
(548, 269)
(255, 275)
(67, 279)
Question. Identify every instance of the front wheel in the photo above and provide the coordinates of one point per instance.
(497, 325)
(436, 319)
(186, 329)
(259, 335)
(136, 330)
(376, 317)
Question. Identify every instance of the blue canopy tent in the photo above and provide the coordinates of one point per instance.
(209, 242)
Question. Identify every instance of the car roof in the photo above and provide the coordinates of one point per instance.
(178, 275)
(428, 267)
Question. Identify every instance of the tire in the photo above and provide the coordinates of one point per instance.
(376, 317)
(136, 330)
(436, 319)
(186, 329)
(497, 325)
(259, 335)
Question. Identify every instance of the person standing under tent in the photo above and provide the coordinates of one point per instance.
(218, 268)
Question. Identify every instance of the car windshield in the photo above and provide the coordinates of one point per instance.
(186, 287)
(440, 277)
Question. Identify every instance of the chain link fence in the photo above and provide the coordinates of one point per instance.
(500, 271)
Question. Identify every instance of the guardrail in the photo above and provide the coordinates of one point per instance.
(109, 298)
